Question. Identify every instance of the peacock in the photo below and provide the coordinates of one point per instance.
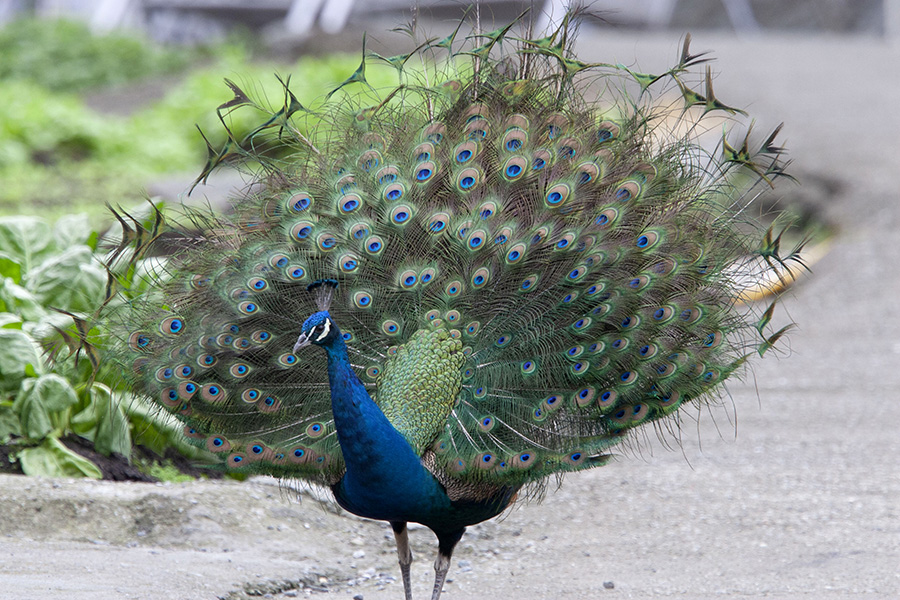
(436, 298)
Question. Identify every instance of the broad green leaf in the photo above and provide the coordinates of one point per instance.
(10, 321)
(10, 267)
(25, 238)
(113, 432)
(55, 392)
(42, 403)
(16, 299)
(72, 230)
(16, 351)
(102, 421)
(71, 281)
(34, 418)
(9, 423)
(53, 459)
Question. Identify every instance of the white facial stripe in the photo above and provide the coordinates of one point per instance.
(325, 331)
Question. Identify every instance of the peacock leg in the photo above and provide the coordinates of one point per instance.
(446, 543)
(401, 534)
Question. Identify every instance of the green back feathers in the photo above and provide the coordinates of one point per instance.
(526, 272)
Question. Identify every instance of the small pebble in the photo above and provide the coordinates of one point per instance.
(609, 585)
(358, 597)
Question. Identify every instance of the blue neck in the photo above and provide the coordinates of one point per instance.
(385, 478)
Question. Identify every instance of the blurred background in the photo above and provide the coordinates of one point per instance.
(100, 97)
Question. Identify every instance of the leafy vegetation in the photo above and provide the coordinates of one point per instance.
(63, 56)
(59, 156)
(41, 403)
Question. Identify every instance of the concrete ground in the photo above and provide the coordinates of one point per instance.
(803, 502)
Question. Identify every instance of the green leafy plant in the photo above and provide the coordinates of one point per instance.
(64, 55)
(44, 270)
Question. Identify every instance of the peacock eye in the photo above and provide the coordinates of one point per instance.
(321, 330)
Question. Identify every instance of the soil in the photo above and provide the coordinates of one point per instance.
(798, 501)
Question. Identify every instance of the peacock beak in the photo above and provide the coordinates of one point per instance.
(302, 341)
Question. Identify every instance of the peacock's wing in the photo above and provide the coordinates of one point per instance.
(524, 275)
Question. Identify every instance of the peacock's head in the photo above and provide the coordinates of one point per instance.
(317, 329)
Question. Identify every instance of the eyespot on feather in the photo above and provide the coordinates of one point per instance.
(390, 327)
(434, 132)
(565, 242)
(589, 173)
(690, 315)
(478, 129)
(607, 131)
(607, 399)
(713, 340)
(139, 341)
(286, 360)
(300, 455)
(316, 430)
(468, 179)
(575, 459)
(465, 152)
(269, 404)
(345, 184)
(299, 202)
(374, 245)
(427, 275)
(627, 191)
(648, 350)
(393, 192)
(523, 460)
(607, 218)
(170, 397)
(424, 171)
(569, 148)
(529, 283)
(454, 288)
(389, 174)
(217, 444)
(301, 231)
(648, 240)
(541, 159)
(665, 369)
(348, 203)
(277, 261)
(484, 460)
(251, 395)
(213, 393)
(584, 396)
(557, 125)
(401, 214)
(369, 160)
(171, 326)
(515, 253)
(645, 171)
(557, 195)
(477, 239)
(517, 120)
(407, 279)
